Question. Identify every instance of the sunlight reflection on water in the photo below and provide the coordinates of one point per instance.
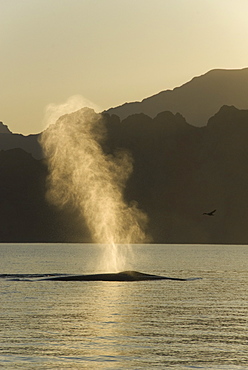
(126, 325)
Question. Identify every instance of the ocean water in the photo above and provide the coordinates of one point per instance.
(162, 324)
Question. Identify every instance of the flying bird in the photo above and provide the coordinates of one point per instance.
(210, 213)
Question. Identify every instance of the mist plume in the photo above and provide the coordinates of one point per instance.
(82, 174)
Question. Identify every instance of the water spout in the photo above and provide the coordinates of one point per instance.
(82, 174)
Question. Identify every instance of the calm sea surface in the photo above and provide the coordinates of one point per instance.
(165, 324)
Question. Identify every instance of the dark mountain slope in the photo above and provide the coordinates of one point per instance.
(196, 100)
(25, 214)
(179, 172)
(29, 143)
(4, 129)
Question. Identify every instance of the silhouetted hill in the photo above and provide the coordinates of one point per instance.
(180, 172)
(25, 214)
(4, 129)
(29, 143)
(196, 100)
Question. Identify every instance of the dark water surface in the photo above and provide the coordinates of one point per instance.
(161, 324)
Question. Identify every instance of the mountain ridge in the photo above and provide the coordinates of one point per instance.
(4, 129)
(198, 99)
(180, 170)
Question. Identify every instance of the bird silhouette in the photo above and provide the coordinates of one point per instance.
(210, 213)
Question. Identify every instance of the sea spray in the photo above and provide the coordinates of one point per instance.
(82, 174)
(75, 102)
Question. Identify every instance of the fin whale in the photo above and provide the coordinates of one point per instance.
(119, 276)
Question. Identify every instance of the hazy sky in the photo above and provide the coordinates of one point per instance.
(110, 51)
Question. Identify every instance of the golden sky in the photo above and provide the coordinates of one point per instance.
(110, 51)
